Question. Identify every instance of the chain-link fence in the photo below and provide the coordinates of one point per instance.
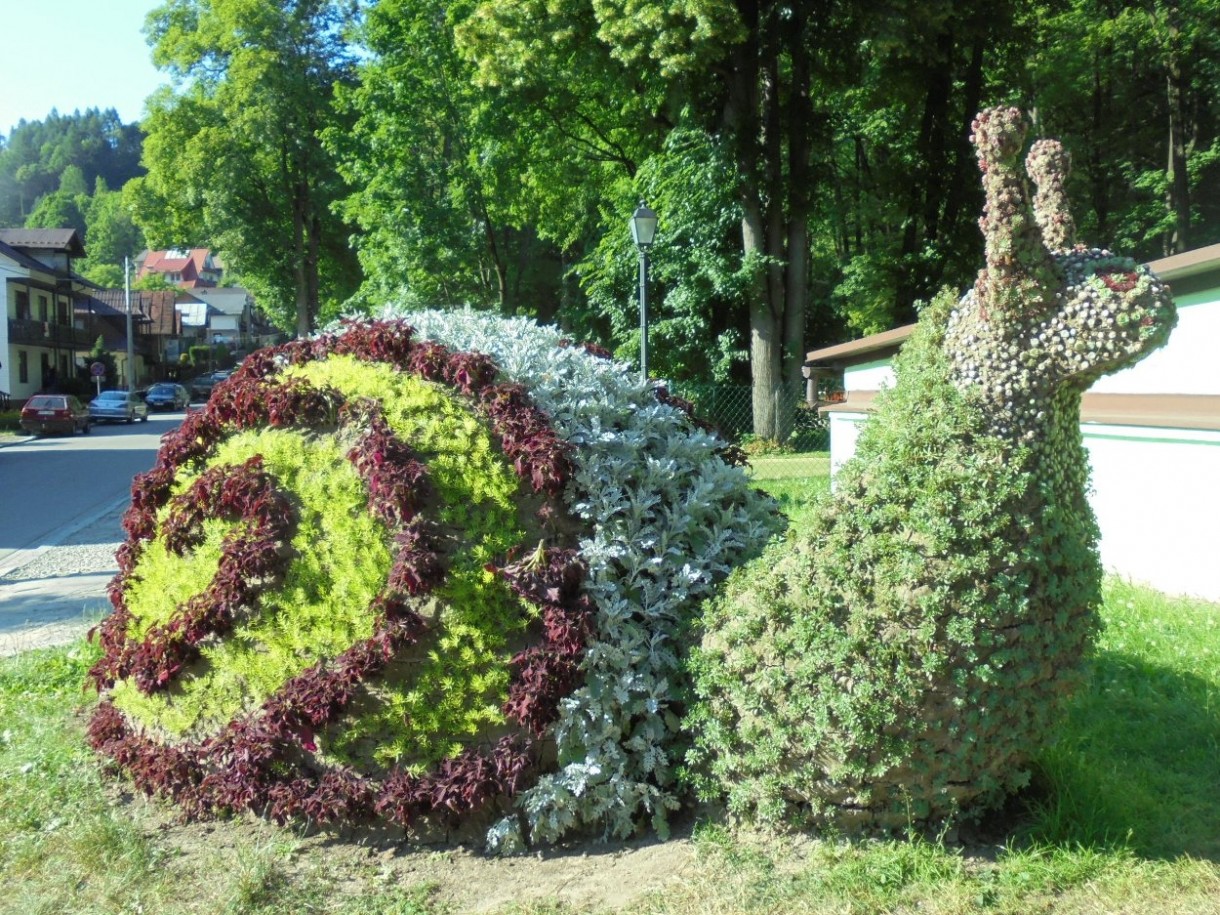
(804, 448)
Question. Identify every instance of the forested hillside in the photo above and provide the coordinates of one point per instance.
(66, 171)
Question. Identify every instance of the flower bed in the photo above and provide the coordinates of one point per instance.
(329, 606)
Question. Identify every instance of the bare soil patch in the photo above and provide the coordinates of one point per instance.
(587, 876)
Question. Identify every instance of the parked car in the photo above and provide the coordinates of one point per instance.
(118, 406)
(201, 387)
(166, 395)
(45, 413)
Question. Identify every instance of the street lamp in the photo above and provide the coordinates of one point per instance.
(643, 230)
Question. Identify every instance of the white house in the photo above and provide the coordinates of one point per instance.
(1152, 432)
(41, 336)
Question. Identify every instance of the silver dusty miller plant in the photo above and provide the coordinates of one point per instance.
(898, 662)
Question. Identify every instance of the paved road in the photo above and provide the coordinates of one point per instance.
(59, 525)
(53, 483)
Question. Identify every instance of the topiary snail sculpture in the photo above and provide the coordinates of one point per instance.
(898, 663)
(428, 570)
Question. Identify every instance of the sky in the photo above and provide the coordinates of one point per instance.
(72, 55)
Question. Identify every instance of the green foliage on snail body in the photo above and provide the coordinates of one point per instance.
(900, 661)
(341, 557)
(871, 671)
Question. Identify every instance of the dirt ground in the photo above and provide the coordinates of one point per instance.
(598, 876)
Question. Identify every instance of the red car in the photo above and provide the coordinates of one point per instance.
(45, 413)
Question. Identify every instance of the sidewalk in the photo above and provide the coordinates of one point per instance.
(52, 595)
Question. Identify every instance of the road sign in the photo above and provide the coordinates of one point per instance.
(97, 370)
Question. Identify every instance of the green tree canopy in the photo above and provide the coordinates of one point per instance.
(432, 161)
(233, 150)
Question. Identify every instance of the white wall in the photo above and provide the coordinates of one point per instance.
(844, 430)
(7, 372)
(869, 376)
(1156, 494)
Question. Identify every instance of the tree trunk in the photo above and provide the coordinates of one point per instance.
(922, 223)
(1099, 179)
(304, 326)
(313, 290)
(498, 265)
(800, 194)
(1178, 184)
(744, 121)
(959, 197)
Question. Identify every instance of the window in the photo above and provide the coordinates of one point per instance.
(23, 305)
(23, 359)
(44, 308)
(62, 309)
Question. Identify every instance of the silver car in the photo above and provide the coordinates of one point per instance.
(118, 406)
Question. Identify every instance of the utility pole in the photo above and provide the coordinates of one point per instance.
(131, 348)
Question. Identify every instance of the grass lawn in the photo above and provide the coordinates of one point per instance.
(795, 480)
(1123, 816)
(766, 468)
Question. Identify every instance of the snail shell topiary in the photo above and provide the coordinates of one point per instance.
(421, 570)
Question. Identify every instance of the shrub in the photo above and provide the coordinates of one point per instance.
(203, 356)
(898, 663)
(331, 606)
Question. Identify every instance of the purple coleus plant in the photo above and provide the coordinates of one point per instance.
(266, 761)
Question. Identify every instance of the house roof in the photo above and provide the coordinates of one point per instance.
(1188, 263)
(195, 314)
(875, 346)
(190, 263)
(65, 240)
(231, 300)
(154, 310)
(23, 259)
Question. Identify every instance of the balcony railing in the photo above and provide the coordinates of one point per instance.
(45, 333)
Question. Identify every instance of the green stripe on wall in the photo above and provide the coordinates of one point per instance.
(1148, 438)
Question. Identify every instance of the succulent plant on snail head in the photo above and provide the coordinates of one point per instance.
(898, 662)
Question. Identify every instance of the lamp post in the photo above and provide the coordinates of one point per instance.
(643, 230)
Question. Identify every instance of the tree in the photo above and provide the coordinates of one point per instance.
(111, 237)
(58, 210)
(153, 282)
(427, 158)
(699, 286)
(99, 353)
(1131, 89)
(740, 71)
(67, 153)
(233, 150)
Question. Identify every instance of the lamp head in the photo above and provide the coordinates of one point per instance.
(643, 225)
